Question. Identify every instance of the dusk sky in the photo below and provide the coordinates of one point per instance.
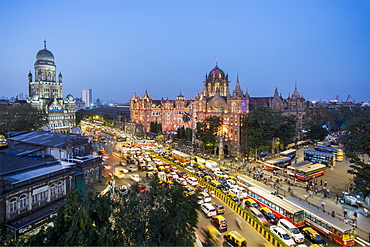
(166, 47)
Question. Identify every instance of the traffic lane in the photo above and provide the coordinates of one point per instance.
(252, 236)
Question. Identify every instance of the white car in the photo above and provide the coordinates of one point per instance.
(192, 181)
(206, 197)
(174, 175)
(242, 192)
(135, 177)
(283, 235)
(231, 183)
(190, 169)
(180, 181)
(149, 167)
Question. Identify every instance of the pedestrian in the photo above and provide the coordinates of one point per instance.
(325, 183)
(327, 191)
(320, 182)
(345, 213)
(306, 197)
(346, 222)
(366, 212)
(323, 205)
(333, 214)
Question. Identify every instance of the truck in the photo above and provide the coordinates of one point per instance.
(119, 171)
(212, 165)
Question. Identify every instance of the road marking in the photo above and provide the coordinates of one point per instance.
(362, 242)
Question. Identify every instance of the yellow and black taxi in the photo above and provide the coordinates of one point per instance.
(200, 174)
(251, 203)
(233, 197)
(234, 238)
(269, 215)
(217, 184)
(314, 236)
(220, 222)
(150, 174)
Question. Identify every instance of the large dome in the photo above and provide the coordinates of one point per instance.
(216, 73)
(44, 56)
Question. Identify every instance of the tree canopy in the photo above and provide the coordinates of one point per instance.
(21, 118)
(262, 125)
(207, 132)
(356, 143)
(160, 216)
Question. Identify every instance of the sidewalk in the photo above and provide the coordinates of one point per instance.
(331, 203)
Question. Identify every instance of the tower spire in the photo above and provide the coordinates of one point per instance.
(44, 43)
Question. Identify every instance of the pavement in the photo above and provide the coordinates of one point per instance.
(362, 226)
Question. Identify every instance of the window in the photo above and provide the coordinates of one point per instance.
(43, 195)
(96, 172)
(52, 190)
(60, 188)
(13, 204)
(23, 201)
(35, 198)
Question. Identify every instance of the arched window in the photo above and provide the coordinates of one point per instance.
(82, 151)
(77, 151)
(97, 172)
(13, 205)
(87, 175)
(23, 201)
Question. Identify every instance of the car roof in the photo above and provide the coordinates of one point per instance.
(265, 209)
(309, 229)
(220, 217)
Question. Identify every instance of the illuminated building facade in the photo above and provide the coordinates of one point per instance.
(214, 100)
(45, 93)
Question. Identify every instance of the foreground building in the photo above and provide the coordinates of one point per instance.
(37, 171)
(214, 100)
(45, 93)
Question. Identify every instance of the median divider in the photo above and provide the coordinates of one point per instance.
(250, 219)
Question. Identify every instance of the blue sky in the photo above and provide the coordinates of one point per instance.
(118, 47)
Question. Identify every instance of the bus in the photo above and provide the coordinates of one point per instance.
(319, 157)
(334, 229)
(337, 151)
(278, 163)
(292, 169)
(311, 171)
(143, 142)
(290, 153)
(266, 198)
(180, 156)
(325, 143)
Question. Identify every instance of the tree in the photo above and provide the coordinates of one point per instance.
(207, 132)
(159, 216)
(21, 118)
(317, 132)
(356, 143)
(263, 125)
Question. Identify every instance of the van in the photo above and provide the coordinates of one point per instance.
(234, 238)
(292, 230)
(258, 215)
(208, 209)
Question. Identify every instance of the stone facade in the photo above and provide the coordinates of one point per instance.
(214, 100)
(45, 93)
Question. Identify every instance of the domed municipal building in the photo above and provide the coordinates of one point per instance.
(45, 93)
(214, 100)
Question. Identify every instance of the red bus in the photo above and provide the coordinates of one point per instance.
(311, 171)
(266, 198)
(334, 229)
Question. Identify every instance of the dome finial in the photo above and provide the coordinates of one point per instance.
(44, 43)
(216, 62)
